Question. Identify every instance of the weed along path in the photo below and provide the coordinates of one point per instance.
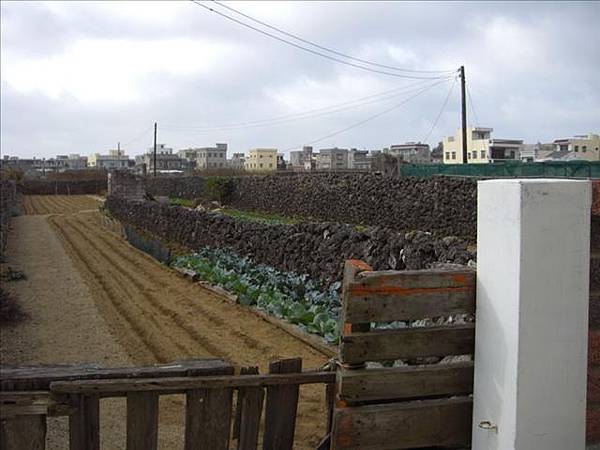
(150, 314)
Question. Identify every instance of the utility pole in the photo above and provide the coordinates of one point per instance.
(154, 149)
(463, 100)
(118, 148)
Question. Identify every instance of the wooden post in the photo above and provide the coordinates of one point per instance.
(207, 418)
(142, 420)
(84, 423)
(23, 433)
(282, 405)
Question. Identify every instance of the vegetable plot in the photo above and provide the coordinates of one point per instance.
(286, 295)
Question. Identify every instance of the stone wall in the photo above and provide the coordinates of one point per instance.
(318, 249)
(442, 205)
(63, 187)
(9, 205)
(179, 187)
(125, 184)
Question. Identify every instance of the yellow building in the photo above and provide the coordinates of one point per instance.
(478, 143)
(586, 146)
(261, 160)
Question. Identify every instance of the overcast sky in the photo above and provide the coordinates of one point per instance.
(78, 77)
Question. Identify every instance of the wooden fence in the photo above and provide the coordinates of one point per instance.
(410, 406)
(30, 394)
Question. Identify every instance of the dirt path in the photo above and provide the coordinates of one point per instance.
(156, 316)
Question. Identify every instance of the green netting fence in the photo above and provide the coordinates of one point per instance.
(560, 169)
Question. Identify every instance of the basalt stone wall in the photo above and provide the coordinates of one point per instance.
(318, 249)
(179, 187)
(63, 187)
(442, 205)
(9, 205)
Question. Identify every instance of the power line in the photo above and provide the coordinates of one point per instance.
(472, 106)
(368, 119)
(314, 52)
(142, 134)
(441, 111)
(305, 115)
(306, 41)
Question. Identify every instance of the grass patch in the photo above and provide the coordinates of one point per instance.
(181, 202)
(257, 216)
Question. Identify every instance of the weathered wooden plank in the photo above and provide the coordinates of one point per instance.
(250, 404)
(39, 377)
(439, 423)
(114, 388)
(281, 408)
(207, 418)
(408, 343)
(240, 393)
(23, 433)
(84, 423)
(142, 421)
(405, 382)
(352, 268)
(409, 295)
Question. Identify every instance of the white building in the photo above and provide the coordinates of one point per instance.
(587, 146)
(211, 157)
(332, 159)
(116, 159)
(359, 159)
(237, 161)
(411, 152)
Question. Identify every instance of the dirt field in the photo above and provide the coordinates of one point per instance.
(57, 204)
(104, 300)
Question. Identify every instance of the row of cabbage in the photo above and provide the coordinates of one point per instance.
(289, 296)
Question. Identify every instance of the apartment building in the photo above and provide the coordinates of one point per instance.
(262, 160)
(116, 159)
(302, 160)
(535, 152)
(411, 152)
(332, 159)
(237, 161)
(165, 159)
(587, 146)
(359, 159)
(211, 157)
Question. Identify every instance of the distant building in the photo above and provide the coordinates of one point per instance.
(481, 148)
(72, 161)
(262, 160)
(211, 157)
(302, 160)
(563, 155)
(237, 161)
(165, 159)
(411, 152)
(504, 150)
(332, 159)
(587, 146)
(281, 163)
(437, 154)
(359, 159)
(116, 159)
(535, 152)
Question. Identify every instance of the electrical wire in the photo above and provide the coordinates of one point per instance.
(472, 106)
(142, 134)
(441, 111)
(368, 119)
(344, 55)
(304, 115)
(332, 58)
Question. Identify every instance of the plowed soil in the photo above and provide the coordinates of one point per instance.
(57, 204)
(148, 312)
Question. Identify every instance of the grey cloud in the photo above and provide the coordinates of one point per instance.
(558, 95)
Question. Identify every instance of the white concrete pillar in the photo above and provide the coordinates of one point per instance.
(533, 240)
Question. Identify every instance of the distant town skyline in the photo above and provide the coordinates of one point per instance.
(80, 77)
